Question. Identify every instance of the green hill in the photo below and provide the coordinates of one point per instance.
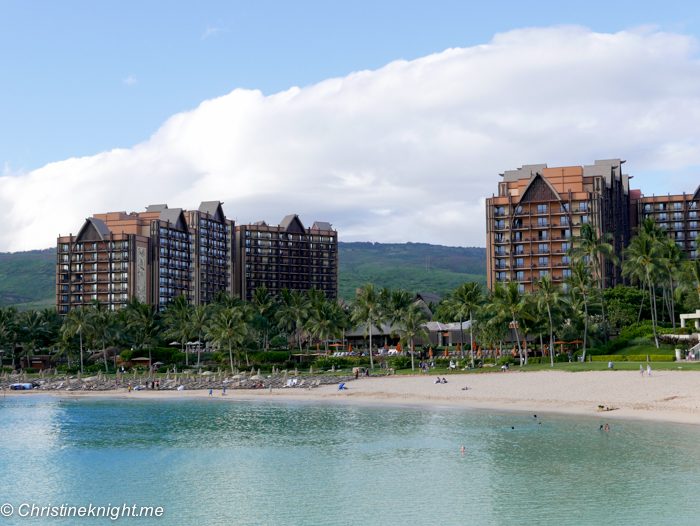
(27, 279)
(417, 267)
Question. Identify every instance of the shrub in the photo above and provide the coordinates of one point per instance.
(640, 341)
(534, 359)
(279, 341)
(635, 331)
(162, 369)
(611, 347)
(609, 358)
(29, 370)
(270, 357)
(505, 360)
(400, 362)
(561, 357)
(6, 369)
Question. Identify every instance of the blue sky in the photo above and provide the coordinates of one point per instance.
(390, 120)
(66, 65)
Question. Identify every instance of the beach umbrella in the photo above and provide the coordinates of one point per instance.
(399, 348)
(515, 353)
(478, 354)
(430, 352)
(447, 353)
(349, 347)
(459, 346)
(473, 346)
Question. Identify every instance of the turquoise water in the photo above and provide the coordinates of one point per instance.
(212, 462)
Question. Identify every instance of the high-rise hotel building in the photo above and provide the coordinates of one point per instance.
(678, 214)
(287, 255)
(538, 209)
(165, 252)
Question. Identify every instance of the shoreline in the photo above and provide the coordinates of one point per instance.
(668, 396)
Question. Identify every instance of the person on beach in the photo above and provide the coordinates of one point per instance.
(641, 370)
(211, 393)
(607, 428)
(610, 365)
(224, 393)
(357, 374)
(601, 427)
(438, 380)
(649, 370)
(444, 380)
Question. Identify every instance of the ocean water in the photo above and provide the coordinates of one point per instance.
(221, 462)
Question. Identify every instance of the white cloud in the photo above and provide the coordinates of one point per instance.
(407, 152)
(211, 32)
(130, 80)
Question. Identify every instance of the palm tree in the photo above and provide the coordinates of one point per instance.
(462, 303)
(293, 312)
(368, 308)
(581, 283)
(32, 326)
(326, 321)
(78, 321)
(197, 323)
(103, 325)
(597, 249)
(691, 276)
(671, 259)
(643, 253)
(548, 294)
(509, 301)
(263, 304)
(397, 302)
(145, 321)
(177, 320)
(412, 325)
(228, 326)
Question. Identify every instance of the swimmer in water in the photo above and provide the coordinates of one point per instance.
(607, 428)
(512, 428)
(464, 449)
(540, 424)
(601, 427)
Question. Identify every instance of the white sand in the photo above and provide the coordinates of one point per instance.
(672, 396)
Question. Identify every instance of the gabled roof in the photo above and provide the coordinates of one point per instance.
(696, 195)
(175, 217)
(292, 223)
(532, 185)
(260, 223)
(322, 225)
(428, 298)
(213, 208)
(156, 208)
(93, 230)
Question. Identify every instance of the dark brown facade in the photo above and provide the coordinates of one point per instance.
(679, 215)
(286, 256)
(538, 209)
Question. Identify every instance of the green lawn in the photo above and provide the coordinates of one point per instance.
(642, 350)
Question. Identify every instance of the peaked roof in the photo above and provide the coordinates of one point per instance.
(322, 225)
(156, 208)
(292, 223)
(531, 184)
(213, 208)
(260, 223)
(427, 297)
(696, 195)
(93, 230)
(175, 217)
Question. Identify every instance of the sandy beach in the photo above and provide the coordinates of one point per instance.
(670, 396)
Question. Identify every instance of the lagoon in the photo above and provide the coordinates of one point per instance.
(216, 462)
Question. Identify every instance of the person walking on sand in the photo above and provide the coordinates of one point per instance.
(641, 370)
(211, 393)
(649, 370)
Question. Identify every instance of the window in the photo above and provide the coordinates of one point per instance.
(518, 223)
(543, 248)
(693, 215)
(693, 224)
(677, 206)
(564, 221)
(566, 234)
(679, 244)
(500, 251)
(541, 209)
(662, 217)
(520, 276)
(583, 207)
(565, 247)
(662, 206)
(519, 249)
(564, 207)
(519, 262)
(541, 221)
(500, 276)
(566, 260)
(500, 210)
(679, 235)
(499, 238)
(521, 289)
(500, 263)
(693, 254)
(693, 234)
(518, 236)
(678, 226)
(500, 223)
(584, 220)
(663, 225)
(542, 235)
(544, 273)
(543, 261)
(519, 209)
(566, 273)
(677, 216)
(647, 208)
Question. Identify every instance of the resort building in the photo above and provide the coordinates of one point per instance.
(678, 214)
(154, 255)
(538, 209)
(287, 255)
